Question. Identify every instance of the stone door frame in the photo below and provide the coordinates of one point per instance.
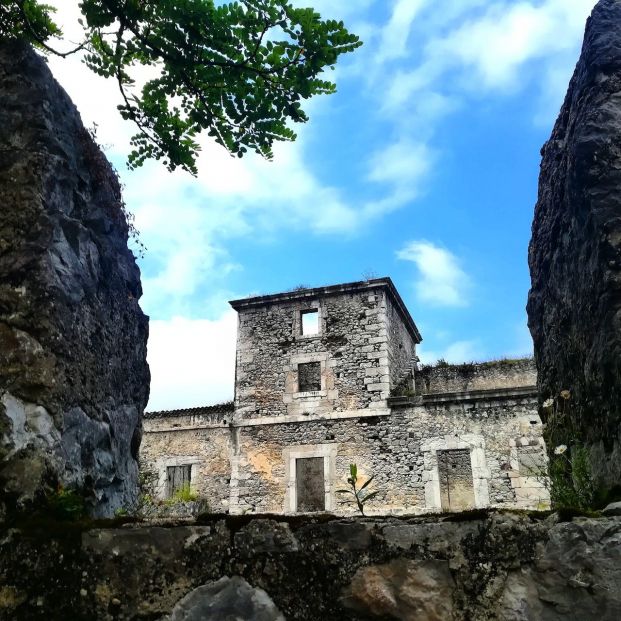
(475, 443)
(290, 454)
(162, 464)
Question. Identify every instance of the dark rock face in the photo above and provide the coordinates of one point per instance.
(73, 374)
(504, 567)
(574, 305)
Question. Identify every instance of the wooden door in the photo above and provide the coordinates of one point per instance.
(309, 484)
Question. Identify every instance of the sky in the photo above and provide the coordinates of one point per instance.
(422, 167)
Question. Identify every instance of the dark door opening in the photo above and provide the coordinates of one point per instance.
(309, 484)
(456, 483)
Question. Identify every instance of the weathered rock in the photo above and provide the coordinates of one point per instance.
(403, 589)
(227, 599)
(73, 373)
(491, 567)
(574, 305)
(614, 508)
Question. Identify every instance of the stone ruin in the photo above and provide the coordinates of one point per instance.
(327, 377)
(72, 396)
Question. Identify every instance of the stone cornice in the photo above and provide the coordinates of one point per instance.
(385, 284)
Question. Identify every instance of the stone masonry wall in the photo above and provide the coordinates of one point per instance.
(401, 348)
(400, 450)
(73, 373)
(351, 347)
(200, 439)
(492, 375)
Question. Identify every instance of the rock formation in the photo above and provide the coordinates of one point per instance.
(574, 305)
(495, 567)
(73, 373)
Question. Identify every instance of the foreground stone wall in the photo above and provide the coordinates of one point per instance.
(487, 567)
(73, 374)
(574, 305)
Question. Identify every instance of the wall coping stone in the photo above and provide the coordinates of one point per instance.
(463, 396)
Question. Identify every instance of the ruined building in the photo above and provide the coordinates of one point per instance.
(329, 376)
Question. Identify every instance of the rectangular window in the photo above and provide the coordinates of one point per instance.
(309, 376)
(310, 322)
(310, 484)
(177, 479)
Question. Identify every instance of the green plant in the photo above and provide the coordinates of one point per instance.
(183, 494)
(66, 504)
(359, 497)
(238, 70)
(569, 469)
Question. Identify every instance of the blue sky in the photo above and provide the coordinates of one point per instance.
(423, 167)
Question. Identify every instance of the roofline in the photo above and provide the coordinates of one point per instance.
(348, 287)
(218, 408)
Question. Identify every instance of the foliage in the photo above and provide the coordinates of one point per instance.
(570, 472)
(238, 70)
(66, 504)
(184, 494)
(359, 497)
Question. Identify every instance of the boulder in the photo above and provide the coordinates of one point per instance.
(73, 374)
(574, 304)
(227, 599)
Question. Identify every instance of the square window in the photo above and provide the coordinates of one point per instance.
(309, 376)
(310, 322)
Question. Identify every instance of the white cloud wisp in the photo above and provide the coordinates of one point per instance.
(441, 281)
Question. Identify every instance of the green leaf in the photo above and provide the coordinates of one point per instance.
(369, 496)
(367, 482)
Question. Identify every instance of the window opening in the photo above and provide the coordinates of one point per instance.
(309, 376)
(177, 479)
(310, 322)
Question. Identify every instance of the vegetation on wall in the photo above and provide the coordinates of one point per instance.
(358, 494)
(238, 71)
(569, 469)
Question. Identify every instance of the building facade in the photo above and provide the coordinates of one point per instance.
(329, 376)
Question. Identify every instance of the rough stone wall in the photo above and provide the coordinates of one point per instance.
(401, 349)
(351, 347)
(495, 567)
(200, 439)
(400, 450)
(73, 374)
(476, 376)
(574, 305)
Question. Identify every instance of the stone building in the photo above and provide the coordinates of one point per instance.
(329, 376)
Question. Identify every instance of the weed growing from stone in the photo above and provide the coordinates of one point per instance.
(358, 495)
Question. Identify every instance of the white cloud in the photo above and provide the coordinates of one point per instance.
(489, 50)
(192, 361)
(395, 34)
(441, 281)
